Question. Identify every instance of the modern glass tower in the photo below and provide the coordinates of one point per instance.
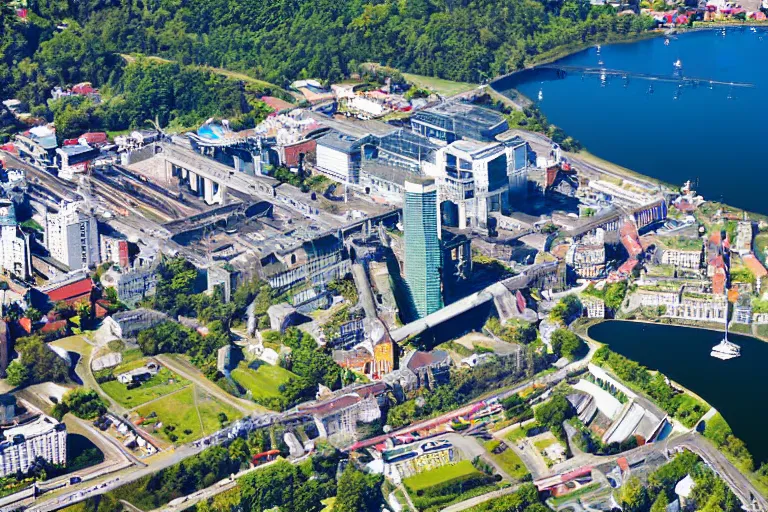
(422, 245)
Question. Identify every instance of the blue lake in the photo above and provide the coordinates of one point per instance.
(714, 135)
(736, 388)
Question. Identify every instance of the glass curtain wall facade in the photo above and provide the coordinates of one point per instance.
(422, 246)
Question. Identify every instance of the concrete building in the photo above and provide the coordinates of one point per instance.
(7, 408)
(473, 182)
(339, 156)
(224, 276)
(315, 261)
(454, 120)
(744, 235)
(682, 259)
(75, 159)
(700, 307)
(43, 438)
(114, 249)
(71, 235)
(15, 257)
(37, 146)
(341, 415)
(682, 252)
(133, 284)
(128, 324)
(422, 246)
(586, 257)
(593, 307)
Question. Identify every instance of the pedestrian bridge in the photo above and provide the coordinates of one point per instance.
(500, 293)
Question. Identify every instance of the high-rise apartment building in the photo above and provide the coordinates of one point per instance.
(42, 438)
(422, 245)
(72, 236)
(14, 243)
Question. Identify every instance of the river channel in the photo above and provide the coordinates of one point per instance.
(713, 135)
(737, 388)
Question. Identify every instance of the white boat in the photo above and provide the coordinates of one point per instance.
(666, 42)
(726, 350)
(678, 64)
(541, 95)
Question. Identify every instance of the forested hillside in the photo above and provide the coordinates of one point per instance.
(282, 40)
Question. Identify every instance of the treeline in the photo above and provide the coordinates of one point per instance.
(148, 90)
(709, 491)
(288, 39)
(34, 58)
(466, 385)
(682, 407)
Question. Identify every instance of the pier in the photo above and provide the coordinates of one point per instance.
(563, 71)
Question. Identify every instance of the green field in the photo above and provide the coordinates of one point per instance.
(438, 85)
(545, 443)
(131, 359)
(433, 477)
(164, 383)
(508, 460)
(517, 434)
(263, 382)
(186, 415)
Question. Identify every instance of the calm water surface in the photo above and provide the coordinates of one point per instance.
(737, 388)
(717, 136)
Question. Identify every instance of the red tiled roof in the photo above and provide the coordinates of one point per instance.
(716, 238)
(717, 261)
(95, 137)
(718, 282)
(26, 324)
(72, 290)
(54, 326)
(276, 103)
(754, 266)
(83, 88)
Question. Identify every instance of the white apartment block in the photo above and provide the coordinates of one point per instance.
(682, 259)
(594, 307)
(707, 308)
(72, 236)
(15, 257)
(44, 437)
(654, 299)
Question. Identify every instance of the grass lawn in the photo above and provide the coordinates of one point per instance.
(186, 415)
(543, 444)
(438, 85)
(263, 382)
(440, 475)
(74, 344)
(517, 434)
(131, 359)
(164, 383)
(508, 460)
(573, 495)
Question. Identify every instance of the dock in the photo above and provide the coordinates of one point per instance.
(562, 71)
